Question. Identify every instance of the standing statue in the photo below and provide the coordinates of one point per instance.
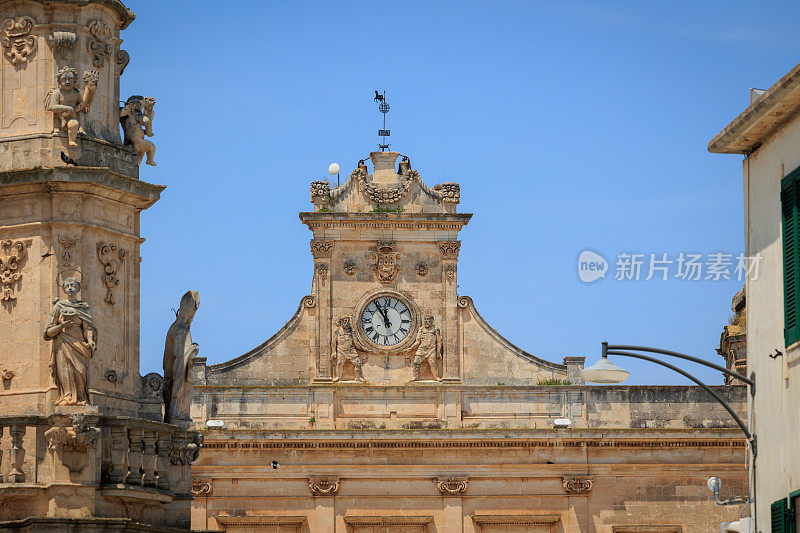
(428, 347)
(344, 349)
(179, 355)
(136, 118)
(66, 101)
(72, 330)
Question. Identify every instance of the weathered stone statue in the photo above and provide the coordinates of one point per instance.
(67, 101)
(428, 346)
(344, 349)
(136, 118)
(74, 337)
(179, 355)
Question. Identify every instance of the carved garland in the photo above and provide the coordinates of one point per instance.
(451, 486)
(381, 194)
(577, 484)
(12, 255)
(323, 487)
(18, 43)
(111, 257)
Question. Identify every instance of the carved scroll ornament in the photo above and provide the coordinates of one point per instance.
(12, 254)
(122, 59)
(451, 486)
(112, 258)
(98, 44)
(18, 43)
(577, 484)
(323, 487)
(201, 488)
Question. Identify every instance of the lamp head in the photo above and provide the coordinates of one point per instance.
(604, 371)
(333, 169)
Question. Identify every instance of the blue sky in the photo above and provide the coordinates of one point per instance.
(569, 125)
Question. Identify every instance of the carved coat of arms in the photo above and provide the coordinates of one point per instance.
(385, 262)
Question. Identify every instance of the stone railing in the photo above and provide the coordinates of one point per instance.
(87, 448)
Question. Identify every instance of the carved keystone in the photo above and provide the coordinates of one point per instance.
(452, 486)
(577, 484)
(323, 486)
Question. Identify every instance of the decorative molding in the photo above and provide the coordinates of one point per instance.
(385, 262)
(67, 243)
(421, 269)
(350, 267)
(18, 43)
(63, 43)
(577, 484)
(324, 486)
(451, 486)
(112, 258)
(12, 255)
(98, 44)
(515, 520)
(202, 487)
(449, 272)
(449, 249)
(321, 249)
(122, 58)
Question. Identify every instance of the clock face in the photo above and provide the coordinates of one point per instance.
(386, 321)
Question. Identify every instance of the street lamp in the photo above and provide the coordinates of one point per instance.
(604, 371)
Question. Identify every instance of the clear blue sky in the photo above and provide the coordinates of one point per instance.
(569, 125)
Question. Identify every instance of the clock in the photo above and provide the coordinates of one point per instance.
(386, 321)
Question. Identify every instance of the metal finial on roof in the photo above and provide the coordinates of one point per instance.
(383, 107)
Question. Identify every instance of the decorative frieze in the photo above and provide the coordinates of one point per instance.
(18, 43)
(97, 44)
(450, 249)
(323, 487)
(577, 484)
(12, 255)
(385, 262)
(451, 486)
(321, 249)
(111, 257)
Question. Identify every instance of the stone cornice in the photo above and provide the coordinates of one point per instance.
(133, 191)
(126, 15)
(411, 221)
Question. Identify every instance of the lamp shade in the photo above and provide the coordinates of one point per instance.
(604, 371)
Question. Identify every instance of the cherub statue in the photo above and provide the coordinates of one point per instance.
(428, 346)
(74, 335)
(179, 355)
(66, 101)
(344, 349)
(136, 118)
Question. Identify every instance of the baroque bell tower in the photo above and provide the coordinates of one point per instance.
(81, 432)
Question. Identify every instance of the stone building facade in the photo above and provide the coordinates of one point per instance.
(387, 403)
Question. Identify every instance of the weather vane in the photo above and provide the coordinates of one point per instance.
(383, 107)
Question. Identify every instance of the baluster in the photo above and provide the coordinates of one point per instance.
(119, 452)
(163, 460)
(17, 455)
(135, 436)
(149, 459)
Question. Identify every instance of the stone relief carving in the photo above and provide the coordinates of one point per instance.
(74, 335)
(98, 44)
(321, 249)
(449, 192)
(152, 386)
(72, 443)
(122, 59)
(350, 267)
(577, 484)
(18, 43)
(111, 257)
(179, 356)
(185, 451)
(12, 256)
(7, 374)
(63, 43)
(320, 192)
(322, 271)
(67, 243)
(66, 101)
(450, 249)
(451, 486)
(323, 487)
(427, 347)
(449, 272)
(385, 262)
(344, 349)
(384, 194)
(136, 118)
(421, 269)
(201, 487)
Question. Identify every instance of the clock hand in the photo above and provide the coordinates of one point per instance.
(386, 322)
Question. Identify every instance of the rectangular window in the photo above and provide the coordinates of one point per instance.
(778, 512)
(790, 214)
(794, 512)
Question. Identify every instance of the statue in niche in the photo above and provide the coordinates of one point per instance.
(67, 101)
(74, 335)
(428, 346)
(179, 355)
(136, 118)
(344, 349)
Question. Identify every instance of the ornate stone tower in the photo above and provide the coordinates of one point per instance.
(81, 431)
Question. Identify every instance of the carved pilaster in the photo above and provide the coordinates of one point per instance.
(17, 455)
